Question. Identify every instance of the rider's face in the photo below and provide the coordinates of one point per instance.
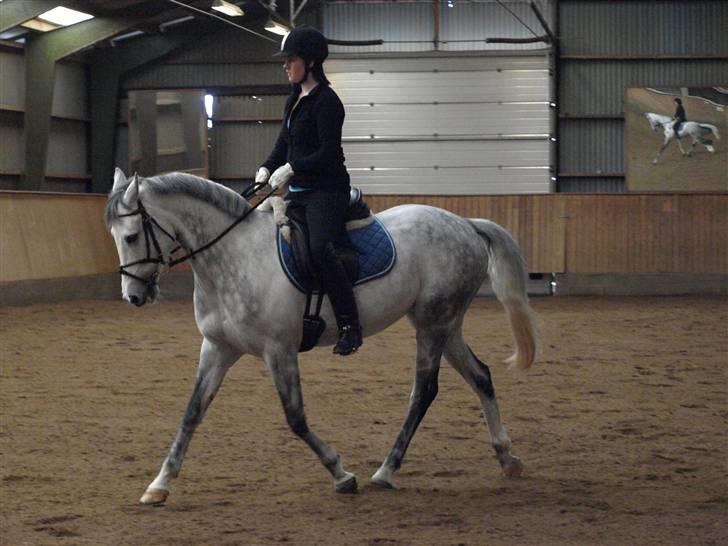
(295, 68)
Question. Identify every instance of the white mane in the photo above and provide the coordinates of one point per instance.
(657, 120)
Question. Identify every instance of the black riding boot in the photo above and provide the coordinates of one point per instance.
(341, 294)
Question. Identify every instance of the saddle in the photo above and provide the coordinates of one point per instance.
(371, 255)
(357, 215)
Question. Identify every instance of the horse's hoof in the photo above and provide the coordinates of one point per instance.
(347, 485)
(154, 496)
(512, 468)
(384, 484)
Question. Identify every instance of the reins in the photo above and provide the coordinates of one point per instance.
(252, 190)
(150, 238)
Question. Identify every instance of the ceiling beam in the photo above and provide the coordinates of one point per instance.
(42, 52)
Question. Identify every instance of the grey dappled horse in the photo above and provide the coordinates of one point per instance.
(698, 132)
(244, 304)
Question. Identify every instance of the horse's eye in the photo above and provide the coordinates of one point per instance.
(131, 238)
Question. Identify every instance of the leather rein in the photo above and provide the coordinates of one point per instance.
(150, 238)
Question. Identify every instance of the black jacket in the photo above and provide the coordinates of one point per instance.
(680, 113)
(311, 143)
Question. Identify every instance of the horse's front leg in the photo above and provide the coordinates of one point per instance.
(662, 149)
(284, 368)
(215, 360)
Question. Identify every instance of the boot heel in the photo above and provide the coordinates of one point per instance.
(350, 339)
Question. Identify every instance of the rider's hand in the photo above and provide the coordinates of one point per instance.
(281, 176)
(261, 177)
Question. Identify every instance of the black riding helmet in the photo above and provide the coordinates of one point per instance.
(305, 42)
(309, 44)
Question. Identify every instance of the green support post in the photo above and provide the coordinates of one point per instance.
(41, 54)
(107, 68)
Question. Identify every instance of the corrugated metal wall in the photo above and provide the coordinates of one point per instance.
(232, 66)
(67, 160)
(242, 135)
(643, 27)
(446, 123)
(609, 46)
(492, 102)
(408, 26)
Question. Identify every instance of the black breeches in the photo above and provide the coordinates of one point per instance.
(325, 217)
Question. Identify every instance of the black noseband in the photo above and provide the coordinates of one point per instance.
(150, 239)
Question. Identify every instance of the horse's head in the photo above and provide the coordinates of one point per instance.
(142, 242)
(654, 123)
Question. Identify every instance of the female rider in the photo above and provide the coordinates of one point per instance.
(309, 158)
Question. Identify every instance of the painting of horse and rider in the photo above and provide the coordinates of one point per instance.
(674, 139)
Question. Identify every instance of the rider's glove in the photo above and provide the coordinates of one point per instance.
(281, 176)
(261, 177)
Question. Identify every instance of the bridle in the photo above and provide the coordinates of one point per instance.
(150, 239)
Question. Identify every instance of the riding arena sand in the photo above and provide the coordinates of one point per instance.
(621, 426)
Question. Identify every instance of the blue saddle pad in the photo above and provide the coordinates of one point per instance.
(376, 254)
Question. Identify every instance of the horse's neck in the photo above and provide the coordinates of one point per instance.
(195, 222)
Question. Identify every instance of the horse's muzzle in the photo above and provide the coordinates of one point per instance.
(149, 295)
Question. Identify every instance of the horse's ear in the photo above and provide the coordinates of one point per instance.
(119, 179)
(132, 192)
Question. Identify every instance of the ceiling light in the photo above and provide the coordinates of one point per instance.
(227, 8)
(40, 26)
(64, 17)
(174, 22)
(276, 28)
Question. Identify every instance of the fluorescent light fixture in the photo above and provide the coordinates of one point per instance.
(174, 22)
(64, 17)
(128, 35)
(276, 28)
(40, 26)
(227, 8)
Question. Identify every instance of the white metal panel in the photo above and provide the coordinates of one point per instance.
(494, 118)
(451, 154)
(452, 125)
(452, 181)
(12, 80)
(442, 87)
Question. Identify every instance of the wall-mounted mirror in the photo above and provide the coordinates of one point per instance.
(168, 132)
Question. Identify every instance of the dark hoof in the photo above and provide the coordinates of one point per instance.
(348, 486)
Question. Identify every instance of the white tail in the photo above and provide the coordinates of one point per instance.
(508, 277)
(712, 128)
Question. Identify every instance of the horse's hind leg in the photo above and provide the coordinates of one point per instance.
(284, 368)
(215, 360)
(429, 351)
(682, 150)
(477, 375)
